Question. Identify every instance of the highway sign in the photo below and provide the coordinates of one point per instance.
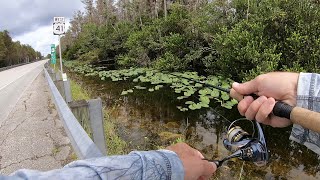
(59, 25)
(53, 54)
(58, 28)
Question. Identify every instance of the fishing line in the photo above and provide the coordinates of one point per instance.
(204, 83)
(221, 115)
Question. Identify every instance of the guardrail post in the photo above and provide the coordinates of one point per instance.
(61, 88)
(82, 144)
(96, 120)
(52, 74)
(64, 89)
(67, 91)
(58, 76)
(80, 109)
(88, 113)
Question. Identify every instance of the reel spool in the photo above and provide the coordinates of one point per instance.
(246, 146)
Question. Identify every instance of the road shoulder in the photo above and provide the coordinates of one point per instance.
(33, 137)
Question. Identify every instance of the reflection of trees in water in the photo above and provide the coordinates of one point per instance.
(287, 155)
(153, 110)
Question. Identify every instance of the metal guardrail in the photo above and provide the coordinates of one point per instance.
(84, 147)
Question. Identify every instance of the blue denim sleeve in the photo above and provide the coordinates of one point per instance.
(308, 96)
(161, 164)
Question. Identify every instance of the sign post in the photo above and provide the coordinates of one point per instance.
(59, 29)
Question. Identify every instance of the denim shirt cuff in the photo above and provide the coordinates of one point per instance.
(174, 166)
(308, 96)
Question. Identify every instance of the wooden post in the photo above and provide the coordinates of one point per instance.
(90, 116)
(97, 125)
(80, 110)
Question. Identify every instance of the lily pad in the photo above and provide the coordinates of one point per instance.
(182, 97)
(205, 91)
(114, 79)
(202, 104)
(140, 87)
(124, 93)
(213, 80)
(158, 87)
(198, 85)
(194, 106)
(135, 80)
(215, 93)
(225, 96)
(189, 102)
(204, 99)
(127, 92)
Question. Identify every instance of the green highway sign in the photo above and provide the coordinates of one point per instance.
(53, 54)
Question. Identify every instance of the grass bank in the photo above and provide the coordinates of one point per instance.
(115, 145)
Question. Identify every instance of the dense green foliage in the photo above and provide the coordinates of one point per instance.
(234, 39)
(12, 53)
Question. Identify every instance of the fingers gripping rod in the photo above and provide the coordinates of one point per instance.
(304, 117)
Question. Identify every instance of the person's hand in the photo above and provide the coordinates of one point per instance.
(271, 87)
(194, 167)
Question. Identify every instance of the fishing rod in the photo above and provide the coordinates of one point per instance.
(298, 115)
(304, 117)
(204, 83)
(242, 145)
(254, 149)
(249, 148)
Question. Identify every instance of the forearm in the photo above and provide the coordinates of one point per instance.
(161, 164)
(308, 96)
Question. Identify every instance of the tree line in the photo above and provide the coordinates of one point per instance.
(12, 53)
(237, 39)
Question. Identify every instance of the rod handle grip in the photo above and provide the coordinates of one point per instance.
(304, 117)
(282, 109)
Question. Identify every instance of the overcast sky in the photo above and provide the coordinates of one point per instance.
(30, 21)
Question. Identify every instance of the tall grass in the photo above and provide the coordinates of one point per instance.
(115, 145)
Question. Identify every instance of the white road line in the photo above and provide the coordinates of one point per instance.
(25, 72)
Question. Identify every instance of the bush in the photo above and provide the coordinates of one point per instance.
(170, 62)
(230, 38)
(90, 56)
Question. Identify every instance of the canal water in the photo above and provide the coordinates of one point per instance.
(150, 120)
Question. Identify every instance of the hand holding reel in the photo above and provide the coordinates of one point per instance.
(245, 146)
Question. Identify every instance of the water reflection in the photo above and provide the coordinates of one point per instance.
(151, 120)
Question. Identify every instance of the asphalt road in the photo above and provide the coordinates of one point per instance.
(13, 83)
(31, 134)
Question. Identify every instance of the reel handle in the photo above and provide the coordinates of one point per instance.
(217, 162)
(304, 117)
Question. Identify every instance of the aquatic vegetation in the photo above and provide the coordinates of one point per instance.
(196, 91)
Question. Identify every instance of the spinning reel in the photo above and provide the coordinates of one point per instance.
(245, 146)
